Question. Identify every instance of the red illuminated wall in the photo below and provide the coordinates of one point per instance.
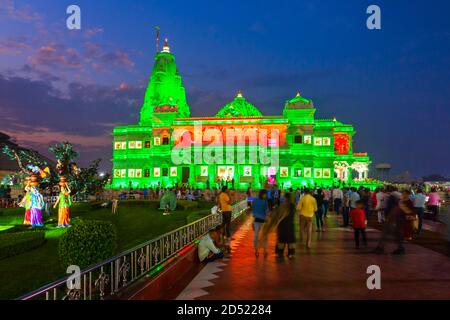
(341, 143)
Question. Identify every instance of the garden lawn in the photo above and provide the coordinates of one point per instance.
(135, 222)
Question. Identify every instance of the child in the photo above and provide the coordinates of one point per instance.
(358, 217)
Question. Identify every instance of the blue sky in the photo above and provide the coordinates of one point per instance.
(392, 84)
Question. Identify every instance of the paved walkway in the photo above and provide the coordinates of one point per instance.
(331, 269)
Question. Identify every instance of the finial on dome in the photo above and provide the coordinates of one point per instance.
(166, 46)
(239, 94)
(298, 94)
(334, 119)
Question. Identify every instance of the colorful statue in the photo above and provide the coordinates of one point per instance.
(36, 203)
(26, 202)
(64, 203)
(168, 201)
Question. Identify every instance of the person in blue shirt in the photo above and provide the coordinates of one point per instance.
(260, 209)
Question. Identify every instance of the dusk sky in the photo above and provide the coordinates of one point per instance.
(392, 84)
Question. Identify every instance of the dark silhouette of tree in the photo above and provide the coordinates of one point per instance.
(83, 181)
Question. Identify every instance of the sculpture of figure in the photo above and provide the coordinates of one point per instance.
(168, 201)
(36, 203)
(115, 204)
(63, 202)
(26, 202)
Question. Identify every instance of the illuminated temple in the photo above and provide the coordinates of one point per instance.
(309, 150)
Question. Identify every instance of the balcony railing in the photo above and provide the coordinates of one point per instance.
(108, 278)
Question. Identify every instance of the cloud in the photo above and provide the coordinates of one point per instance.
(124, 86)
(91, 32)
(35, 112)
(102, 58)
(205, 103)
(56, 54)
(22, 14)
(116, 58)
(44, 136)
(14, 45)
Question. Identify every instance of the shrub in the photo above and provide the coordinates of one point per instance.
(187, 205)
(12, 211)
(87, 243)
(12, 244)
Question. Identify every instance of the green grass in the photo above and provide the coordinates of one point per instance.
(135, 221)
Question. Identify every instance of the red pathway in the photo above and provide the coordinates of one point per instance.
(331, 269)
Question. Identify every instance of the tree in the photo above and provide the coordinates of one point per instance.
(81, 181)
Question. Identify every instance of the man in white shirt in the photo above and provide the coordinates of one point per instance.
(419, 200)
(207, 250)
(354, 196)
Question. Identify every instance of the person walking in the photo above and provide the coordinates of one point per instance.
(358, 217)
(407, 208)
(354, 196)
(433, 202)
(260, 209)
(307, 206)
(419, 200)
(285, 227)
(394, 223)
(346, 207)
(320, 210)
(326, 201)
(270, 199)
(364, 197)
(224, 204)
(338, 196)
(381, 205)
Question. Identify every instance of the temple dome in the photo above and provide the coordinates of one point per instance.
(299, 102)
(239, 107)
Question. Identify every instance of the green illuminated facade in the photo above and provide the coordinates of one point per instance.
(311, 151)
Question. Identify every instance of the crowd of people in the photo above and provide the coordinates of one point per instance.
(182, 192)
(400, 215)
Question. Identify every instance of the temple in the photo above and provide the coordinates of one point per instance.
(238, 145)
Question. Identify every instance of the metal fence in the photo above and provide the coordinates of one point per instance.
(111, 276)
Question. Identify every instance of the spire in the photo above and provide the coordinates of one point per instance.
(298, 94)
(157, 38)
(239, 94)
(166, 46)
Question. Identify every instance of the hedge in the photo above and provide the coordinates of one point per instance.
(87, 243)
(12, 244)
(187, 205)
